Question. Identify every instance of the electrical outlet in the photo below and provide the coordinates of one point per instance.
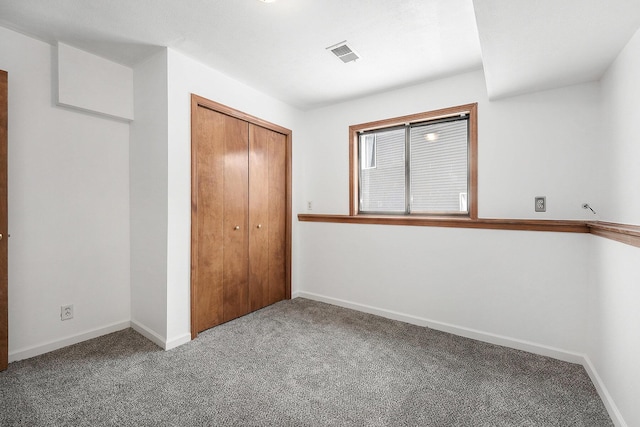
(309, 205)
(541, 204)
(66, 312)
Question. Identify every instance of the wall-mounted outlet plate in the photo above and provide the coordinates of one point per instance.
(541, 204)
(66, 312)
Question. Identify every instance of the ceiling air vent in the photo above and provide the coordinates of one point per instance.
(344, 52)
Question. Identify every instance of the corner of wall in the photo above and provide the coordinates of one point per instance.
(148, 162)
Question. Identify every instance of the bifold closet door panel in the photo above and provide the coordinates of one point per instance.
(221, 281)
(258, 217)
(209, 162)
(236, 220)
(277, 217)
(267, 204)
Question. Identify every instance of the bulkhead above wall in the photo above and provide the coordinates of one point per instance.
(91, 83)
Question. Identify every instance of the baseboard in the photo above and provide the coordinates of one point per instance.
(148, 333)
(37, 350)
(543, 350)
(177, 342)
(158, 340)
(613, 410)
(453, 329)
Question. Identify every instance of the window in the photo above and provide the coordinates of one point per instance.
(424, 164)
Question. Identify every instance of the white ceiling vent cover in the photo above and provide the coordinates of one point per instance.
(344, 52)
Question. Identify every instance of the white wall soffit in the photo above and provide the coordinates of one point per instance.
(91, 83)
(529, 46)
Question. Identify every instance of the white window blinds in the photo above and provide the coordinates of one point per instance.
(382, 189)
(438, 169)
(418, 168)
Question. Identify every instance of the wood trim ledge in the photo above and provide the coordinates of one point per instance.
(494, 224)
(624, 233)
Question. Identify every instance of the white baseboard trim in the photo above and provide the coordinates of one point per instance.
(608, 401)
(158, 340)
(148, 333)
(475, 334)
(177, 342)
(531, 347)
(37, 350)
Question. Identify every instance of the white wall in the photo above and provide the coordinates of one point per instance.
(68, 210)
(540, 144)
(621, 150)
(527, 286)
(188, 76)
(531, 145)
(148, 184)
(615, 297)
(614, 320)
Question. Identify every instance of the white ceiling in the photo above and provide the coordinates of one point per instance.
(530, 45)
(279, 48)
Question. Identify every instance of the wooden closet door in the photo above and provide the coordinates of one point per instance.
(240, 214)
(220, 150)
(267, 217)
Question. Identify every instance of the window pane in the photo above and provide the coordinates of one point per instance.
(368, 151)
(382, 188)
(439, 154)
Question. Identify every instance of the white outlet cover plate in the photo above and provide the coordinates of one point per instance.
(66, 312)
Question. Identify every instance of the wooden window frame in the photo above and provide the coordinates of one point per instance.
(354, 130)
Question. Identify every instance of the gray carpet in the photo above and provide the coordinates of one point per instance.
(298, 363)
